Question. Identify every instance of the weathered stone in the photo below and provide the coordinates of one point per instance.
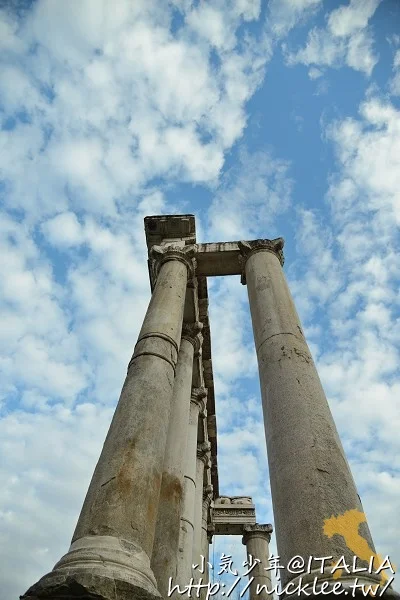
(205, 532)
(202, 462)
(165, 551)
(186, 535)
(311, 483)
(121, 504)
(256, 539)
(231, 513)
(84, 586)
(192, 333)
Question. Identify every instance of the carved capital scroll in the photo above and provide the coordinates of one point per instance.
(192, 333)
(248, 248)
(204, 452)
(260, 530)
(162, 254)
(199, 397)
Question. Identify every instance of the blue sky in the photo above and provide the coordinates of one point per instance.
(262, 119)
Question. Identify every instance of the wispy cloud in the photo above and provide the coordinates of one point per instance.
(346, 39)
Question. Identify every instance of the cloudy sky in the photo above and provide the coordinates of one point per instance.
(261, 118)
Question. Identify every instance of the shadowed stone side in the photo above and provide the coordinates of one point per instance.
(84, 586)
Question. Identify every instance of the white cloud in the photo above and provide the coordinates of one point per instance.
(64, 230)
(45, 470)
(345, 40)
(353, 17)
(114, 99)
(214, 21)
(285, 14)
(250, 198)
(314, 73)
(369, 152)
(209, 22)
(38, 350)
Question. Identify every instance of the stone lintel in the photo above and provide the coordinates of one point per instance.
(230, 514)
(214, 259)
(226, 258)
(220, 258)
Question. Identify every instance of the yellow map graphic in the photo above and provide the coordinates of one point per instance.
(347, 526)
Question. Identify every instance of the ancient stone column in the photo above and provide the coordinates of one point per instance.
(317, 510)
(110, 552)
(186, 534)
(256, 539)
(205, 533)
(203, 461)
(166, 543)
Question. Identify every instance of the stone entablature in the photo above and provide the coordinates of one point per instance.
(230, 514)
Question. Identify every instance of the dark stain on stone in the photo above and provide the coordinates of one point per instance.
(171, 488)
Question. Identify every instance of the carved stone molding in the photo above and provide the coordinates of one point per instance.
(204, 453)
(161, 254)
(233, 512)
(208, 494)
(199, 397)
(192, 333)
(248, 248)
(234, 500)
(263, 530)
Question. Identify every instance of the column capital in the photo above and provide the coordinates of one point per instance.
(204, 452)
(199, 397)
(257, 530)
(248, 248)
(192, 333)
(159, 255)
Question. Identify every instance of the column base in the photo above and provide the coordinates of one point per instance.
(98, 568)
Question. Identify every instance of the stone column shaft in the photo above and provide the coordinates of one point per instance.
(256, 539)
(317, 510)
(203, 460)
(165, 551)
(113, 540)
(205, 544)
(186, 534)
